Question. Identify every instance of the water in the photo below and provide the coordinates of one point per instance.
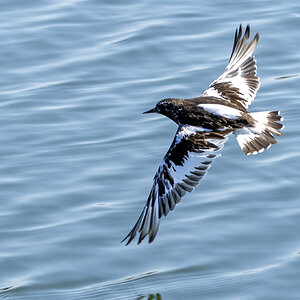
(78, 157)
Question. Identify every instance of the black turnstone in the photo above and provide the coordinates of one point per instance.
(204, 123)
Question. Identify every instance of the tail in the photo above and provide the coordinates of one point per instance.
(258, 137)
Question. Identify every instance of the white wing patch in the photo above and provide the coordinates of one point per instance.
(239, 83)
(222, 110)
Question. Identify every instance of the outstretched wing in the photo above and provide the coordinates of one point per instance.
(186, 162)
(239, 83)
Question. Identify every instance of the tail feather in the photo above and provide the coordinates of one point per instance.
(258, 137)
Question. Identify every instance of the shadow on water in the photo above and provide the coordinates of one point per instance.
(156, 296)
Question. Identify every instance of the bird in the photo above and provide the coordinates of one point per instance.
(204, 124)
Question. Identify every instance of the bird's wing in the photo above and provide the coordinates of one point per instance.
(186, 162)
(239, 83)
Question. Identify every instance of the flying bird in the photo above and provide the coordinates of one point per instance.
(204, 124)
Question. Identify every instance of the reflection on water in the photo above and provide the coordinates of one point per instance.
(287, 76)
(5, 289)
(150, 297)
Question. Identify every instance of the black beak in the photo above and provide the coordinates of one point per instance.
(153, 110)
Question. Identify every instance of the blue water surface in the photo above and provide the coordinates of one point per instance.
(77, 157)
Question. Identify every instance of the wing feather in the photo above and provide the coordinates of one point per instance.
(239, 83)
(186, 162)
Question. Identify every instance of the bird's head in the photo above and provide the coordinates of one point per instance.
(165, 107)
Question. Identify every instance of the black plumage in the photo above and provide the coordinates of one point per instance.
(204, 123)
